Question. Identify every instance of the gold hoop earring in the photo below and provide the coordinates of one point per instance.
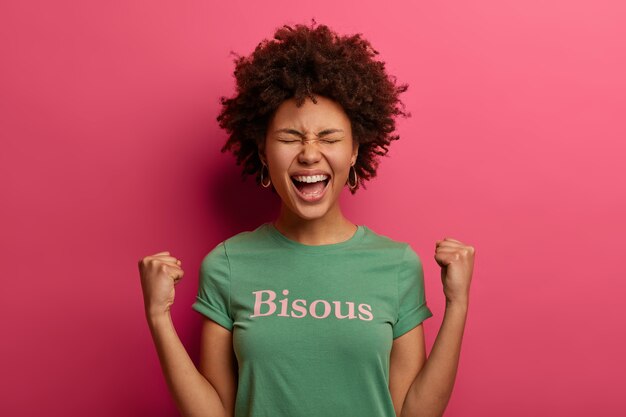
(270, 180)
(356, 178)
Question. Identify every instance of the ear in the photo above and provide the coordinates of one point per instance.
(355, 151)
(261, 152)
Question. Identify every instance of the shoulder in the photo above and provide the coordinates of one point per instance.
(385, 243)
(248, 240)
(241, 241)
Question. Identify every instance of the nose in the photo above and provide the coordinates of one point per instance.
(310, 152)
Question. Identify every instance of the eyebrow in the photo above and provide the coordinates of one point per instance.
(297, 133)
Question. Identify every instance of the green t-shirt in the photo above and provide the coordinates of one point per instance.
(312, 326)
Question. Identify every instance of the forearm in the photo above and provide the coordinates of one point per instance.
(430, 392)
(193, 394)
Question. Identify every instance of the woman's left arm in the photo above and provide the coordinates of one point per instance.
(430, 391)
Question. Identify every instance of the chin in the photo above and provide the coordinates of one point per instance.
(311, 214)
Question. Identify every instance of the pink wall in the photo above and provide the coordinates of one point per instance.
(110, 151)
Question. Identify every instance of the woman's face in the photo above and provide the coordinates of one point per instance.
(309, 151)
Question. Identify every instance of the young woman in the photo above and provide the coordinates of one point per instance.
(311, 314)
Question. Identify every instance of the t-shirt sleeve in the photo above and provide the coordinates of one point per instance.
(412, 308)
(213, 298)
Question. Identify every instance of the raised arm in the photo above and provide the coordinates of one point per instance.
(430, 392)
(194, 395)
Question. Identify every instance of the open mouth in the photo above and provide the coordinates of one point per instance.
(311, 188)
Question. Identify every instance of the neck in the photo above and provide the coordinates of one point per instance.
(329, 229)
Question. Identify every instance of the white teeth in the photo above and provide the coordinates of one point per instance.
(311, 178)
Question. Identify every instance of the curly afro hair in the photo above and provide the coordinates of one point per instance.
(302, 62)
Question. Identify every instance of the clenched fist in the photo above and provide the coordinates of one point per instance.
(159, 273)
(456, 260)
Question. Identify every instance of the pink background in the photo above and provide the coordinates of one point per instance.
(110, 152)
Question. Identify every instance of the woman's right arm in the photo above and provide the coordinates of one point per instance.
(205, 393)
(194, 395)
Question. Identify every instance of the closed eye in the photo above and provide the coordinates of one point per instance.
(296, 140)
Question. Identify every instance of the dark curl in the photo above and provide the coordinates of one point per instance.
(301, 62)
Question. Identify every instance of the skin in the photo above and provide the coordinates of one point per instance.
(430, 390)
(419, 386)
(207, 391)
